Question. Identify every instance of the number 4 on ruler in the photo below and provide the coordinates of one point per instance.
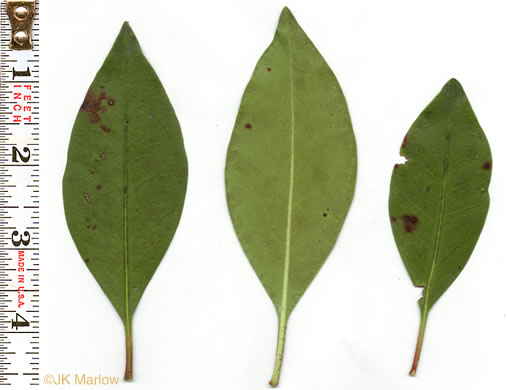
(20, 321)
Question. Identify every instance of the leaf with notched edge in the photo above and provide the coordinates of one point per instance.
(439, 198)
(291, 168)
(126, 177)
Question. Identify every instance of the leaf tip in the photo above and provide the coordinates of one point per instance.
(453, 81)
(126, 41)
(126, 27)
(286, 14)
(453, 86)
(127, 31)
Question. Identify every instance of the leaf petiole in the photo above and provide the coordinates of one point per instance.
(281, 339)
(128, 354)
(419, 342)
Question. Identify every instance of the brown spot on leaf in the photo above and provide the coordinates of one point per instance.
(94, 106)
(86, 195)
(325, 215)
(87, 260)
(393, 219)
(395, 167)
(410, 222)
(404, 142)
(99, 187)
(486, 166)
(268, 69)
(248, 126)
(91, 172)
(94, 227)
(106, 129)
(102, 156)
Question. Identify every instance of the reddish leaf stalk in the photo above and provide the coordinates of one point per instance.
(419, 343)
(128, 355)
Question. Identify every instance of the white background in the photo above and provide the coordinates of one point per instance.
(205, 321)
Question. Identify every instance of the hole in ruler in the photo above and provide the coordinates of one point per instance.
(21, 37)
(21, 12)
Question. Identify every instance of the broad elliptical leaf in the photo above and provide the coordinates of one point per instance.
(291, 168)
(439, 198)
(126, 177)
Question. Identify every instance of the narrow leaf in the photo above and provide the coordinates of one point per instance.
(439, 198)
(291, 168)
(126, 177)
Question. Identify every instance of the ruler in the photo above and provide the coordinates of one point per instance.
(19, 193)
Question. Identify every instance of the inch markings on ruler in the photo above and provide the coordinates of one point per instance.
(19, 193)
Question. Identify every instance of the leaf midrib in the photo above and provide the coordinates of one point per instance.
(287, 257)
(125, 227)
(127, 313)
(426, 307)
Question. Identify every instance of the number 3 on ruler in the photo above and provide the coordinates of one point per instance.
(25, 242)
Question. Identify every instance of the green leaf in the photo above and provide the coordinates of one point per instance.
(439, 198)
(126, 176)
(291, 168)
